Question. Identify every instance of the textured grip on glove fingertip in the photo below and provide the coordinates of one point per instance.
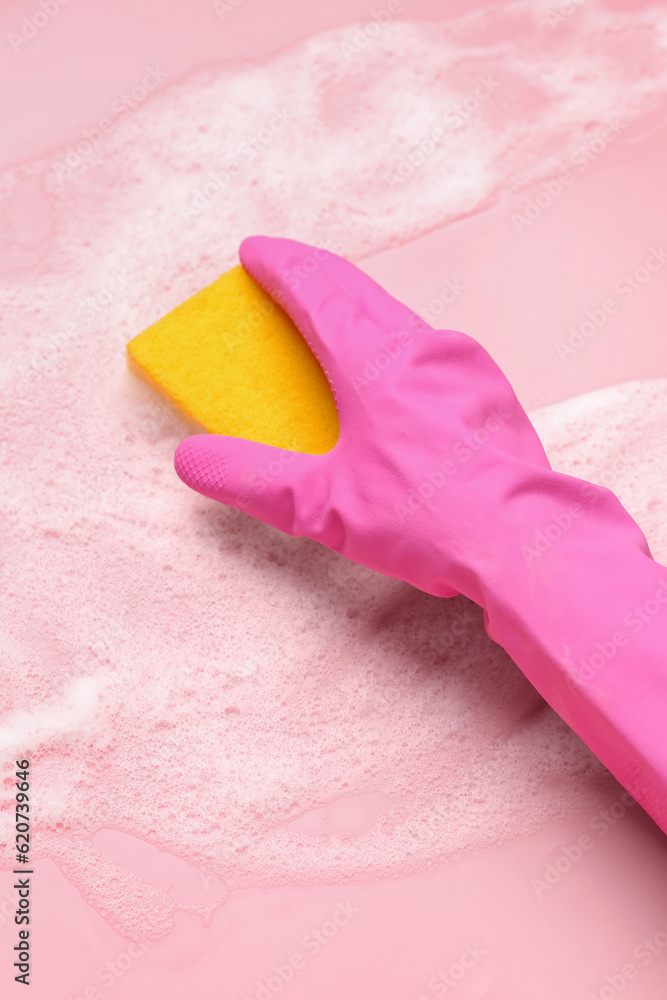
(199, 467)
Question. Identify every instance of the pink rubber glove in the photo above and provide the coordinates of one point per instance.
(439, 479)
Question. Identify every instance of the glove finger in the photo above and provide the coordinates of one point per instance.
(387, 313)
(276, 486)
(338, 331)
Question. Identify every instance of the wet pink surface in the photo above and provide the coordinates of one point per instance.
(259, 771)
(541, 282)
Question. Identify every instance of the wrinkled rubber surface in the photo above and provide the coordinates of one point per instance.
(439, 479)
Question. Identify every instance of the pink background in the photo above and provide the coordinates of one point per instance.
(521, 293)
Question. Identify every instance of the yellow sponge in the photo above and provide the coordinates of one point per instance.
(233, 361)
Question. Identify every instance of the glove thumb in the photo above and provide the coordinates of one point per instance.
(261, 480)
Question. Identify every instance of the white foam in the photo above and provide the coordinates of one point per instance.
(243, 678)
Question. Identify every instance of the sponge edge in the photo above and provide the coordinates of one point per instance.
(232, 361)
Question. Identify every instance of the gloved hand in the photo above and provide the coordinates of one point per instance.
(427, 421)
(439, 479)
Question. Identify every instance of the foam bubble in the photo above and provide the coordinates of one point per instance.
(242, 679)
(244, 687)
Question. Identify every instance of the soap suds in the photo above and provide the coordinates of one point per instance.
(242, 678)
